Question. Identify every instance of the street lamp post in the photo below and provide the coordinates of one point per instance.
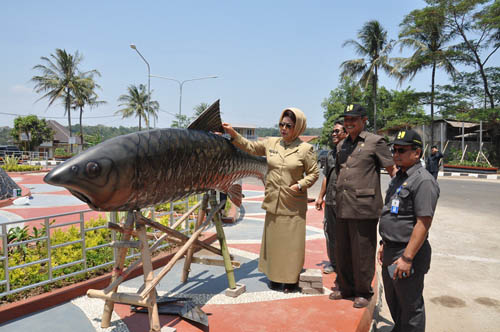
(132, 46)
(181, 83)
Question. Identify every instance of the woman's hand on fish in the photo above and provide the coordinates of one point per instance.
(229, 130)
(295, 187)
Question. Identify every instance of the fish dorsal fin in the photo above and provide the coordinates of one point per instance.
(209, 120)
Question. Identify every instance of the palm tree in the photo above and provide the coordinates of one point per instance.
(136, 104)
(58, 79)
(198, 109)
(374, 47)
(424, 30)
(85, 95)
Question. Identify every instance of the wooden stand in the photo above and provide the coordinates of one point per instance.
(146, 295)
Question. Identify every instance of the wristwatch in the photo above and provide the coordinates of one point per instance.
(300, 187)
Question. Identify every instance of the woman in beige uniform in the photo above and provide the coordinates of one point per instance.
(291, 170)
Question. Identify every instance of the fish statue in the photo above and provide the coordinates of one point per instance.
(142, 169)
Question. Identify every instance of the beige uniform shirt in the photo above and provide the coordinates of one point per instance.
(287, 165)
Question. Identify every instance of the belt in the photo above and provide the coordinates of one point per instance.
(392, 244)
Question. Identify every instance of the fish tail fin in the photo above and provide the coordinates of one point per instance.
(235, 194)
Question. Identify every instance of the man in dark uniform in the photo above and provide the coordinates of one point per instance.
(405, 252)
(359, 203)
(432, 162)
(328, 188)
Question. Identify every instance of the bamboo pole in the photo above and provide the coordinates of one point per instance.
(147, 266)
(178, 234)
(190, 252)
(119, 263)
(179, 253)
(222, 241)
(132, 266)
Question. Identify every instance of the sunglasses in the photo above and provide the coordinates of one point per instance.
(284, 124)
(400, 150)
(336, 131)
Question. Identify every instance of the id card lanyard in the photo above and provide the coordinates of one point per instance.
(395, 202)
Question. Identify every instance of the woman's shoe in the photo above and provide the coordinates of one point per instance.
(291, 288)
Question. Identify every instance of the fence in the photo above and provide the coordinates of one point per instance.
(42, 243)
(32, 156)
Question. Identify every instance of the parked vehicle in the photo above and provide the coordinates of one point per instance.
(9, 150)
(322, 157)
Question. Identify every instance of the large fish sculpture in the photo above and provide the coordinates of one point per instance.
(145, 168)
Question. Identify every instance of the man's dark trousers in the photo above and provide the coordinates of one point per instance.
(355, 246)
(329, 228)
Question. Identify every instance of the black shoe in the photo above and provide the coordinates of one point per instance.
(291, 288)
(275, 286)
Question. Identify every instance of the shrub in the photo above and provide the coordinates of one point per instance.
(21, 168)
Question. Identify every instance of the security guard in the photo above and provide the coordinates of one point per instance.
(405, 252)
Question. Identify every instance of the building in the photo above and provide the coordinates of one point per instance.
(247, 131)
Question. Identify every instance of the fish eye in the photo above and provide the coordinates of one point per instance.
(93, 169)
(74, 169)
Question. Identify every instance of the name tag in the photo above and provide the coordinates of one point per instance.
(395, 206)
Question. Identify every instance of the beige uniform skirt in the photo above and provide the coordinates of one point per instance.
(282, 249)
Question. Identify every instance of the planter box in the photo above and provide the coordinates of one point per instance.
(470, 169)
(62, 157)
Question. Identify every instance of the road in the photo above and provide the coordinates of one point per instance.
(461, 292)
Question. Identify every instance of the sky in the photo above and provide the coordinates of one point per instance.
(267, 55)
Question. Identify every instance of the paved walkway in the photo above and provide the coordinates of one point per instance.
(258, 309)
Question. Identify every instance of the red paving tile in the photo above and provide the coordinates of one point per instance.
(312, 313)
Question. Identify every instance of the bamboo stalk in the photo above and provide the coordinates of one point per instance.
(177, 234)
(179, 253)
(119, 297)
(223, 245)
(190, 252)
(119, 263)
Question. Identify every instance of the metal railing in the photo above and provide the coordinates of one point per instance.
(10, 251)
(25, 155)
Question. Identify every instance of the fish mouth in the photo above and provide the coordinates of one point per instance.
(82, 197)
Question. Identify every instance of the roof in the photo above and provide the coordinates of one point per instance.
(307, 138)
(458, 124)
(239, 125)
(61, 133)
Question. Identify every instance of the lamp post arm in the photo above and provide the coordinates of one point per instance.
(149, 83)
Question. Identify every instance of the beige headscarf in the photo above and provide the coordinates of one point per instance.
(300, 121)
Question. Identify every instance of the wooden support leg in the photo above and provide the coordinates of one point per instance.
(189, 256)
(118, 267)
(147, 266)
(222, 241)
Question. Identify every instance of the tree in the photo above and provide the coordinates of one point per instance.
(404, 109)
(36, 131)
(464, 98)
(58, 79)
(198, 109)
(85, 95)
(424, 30)
(181, 121)
(375, 49)
(347, 93)
(136, 104)
(469, 19)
